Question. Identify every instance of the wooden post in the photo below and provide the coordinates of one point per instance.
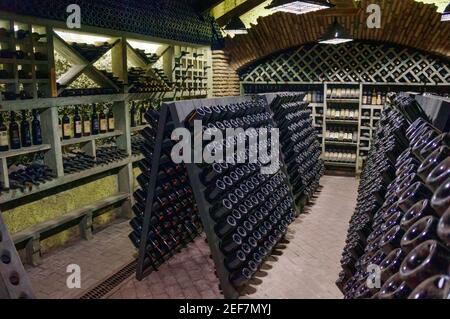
(50, 135)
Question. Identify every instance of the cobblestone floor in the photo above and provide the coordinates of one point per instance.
(305, 266)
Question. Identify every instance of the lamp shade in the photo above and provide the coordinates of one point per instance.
(235, 26)
(335, 34)
(299, 6)
(446, 14)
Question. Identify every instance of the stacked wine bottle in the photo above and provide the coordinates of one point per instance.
(399, 237)
(299, 144)
(249, 211)
(174, 220)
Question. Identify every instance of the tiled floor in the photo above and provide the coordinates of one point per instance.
(306, 266)
(107, 252)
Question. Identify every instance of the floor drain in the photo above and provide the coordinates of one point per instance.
(108, 284)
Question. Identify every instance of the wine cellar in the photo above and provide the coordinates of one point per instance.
(225, 149)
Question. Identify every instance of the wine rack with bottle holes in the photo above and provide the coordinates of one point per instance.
(26, 63)
(14, 280)
(401, 219)
(176, 113)
(304, 165)
(192, 72)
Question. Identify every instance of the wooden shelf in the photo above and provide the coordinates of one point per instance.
(343, 164)
(68, 178)
(85, 139)
(139, 128)
(331, 142)
(336, 121)
(343, 100)
(25, 150)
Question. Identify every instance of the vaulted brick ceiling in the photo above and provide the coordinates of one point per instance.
(405, 22)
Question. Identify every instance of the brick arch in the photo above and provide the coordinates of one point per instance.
(404, 22)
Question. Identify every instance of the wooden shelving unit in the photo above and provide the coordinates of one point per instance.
(123, 55)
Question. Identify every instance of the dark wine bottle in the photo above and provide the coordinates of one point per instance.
(66, 128)
(142, 111)
(77, 124)
(111, 121)
(36, 128)
(133, 115)
(14, 135)
(95, 124)
(4, 141)
(25, 132)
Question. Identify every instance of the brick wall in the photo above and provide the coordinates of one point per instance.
(225, 78)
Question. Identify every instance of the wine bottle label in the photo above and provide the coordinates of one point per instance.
(143, 120)
(78, 127)
(103, 125)
(4, 138)
(111, 123)
(87, 127)
(67, 132)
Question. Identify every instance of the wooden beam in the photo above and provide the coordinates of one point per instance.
(239, 10)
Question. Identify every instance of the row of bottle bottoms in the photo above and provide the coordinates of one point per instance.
(339, 156)
(17, 135)
(342, 113)
(340, 134)
(342, 93)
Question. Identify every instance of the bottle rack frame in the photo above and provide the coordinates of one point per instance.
(300, 200)
(14, 280)
(177, 112)
(29, 45)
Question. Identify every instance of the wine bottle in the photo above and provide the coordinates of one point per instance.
(103, 122)
(66, 129)
(14, 135)
(25, 132)
(111, 121)
(36, 128)
(4, 140)
(86, 124)
(77, 124)
(95, 124)
(60, 133)
(133, 114)
(142, 111)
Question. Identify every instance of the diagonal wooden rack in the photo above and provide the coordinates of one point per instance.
(81, 65)
(177, 112)
(14, 280)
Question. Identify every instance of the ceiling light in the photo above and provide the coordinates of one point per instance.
(235, 26)
(335, 34)
(299, 6)
(446, 14)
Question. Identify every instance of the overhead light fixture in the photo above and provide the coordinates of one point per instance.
(446, 14)
(335, 34)
(299, 6)
(235, 26)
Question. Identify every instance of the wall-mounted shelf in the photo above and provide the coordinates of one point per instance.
(138, 128)
(90, 138)
(68, 178)
(25, 150)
